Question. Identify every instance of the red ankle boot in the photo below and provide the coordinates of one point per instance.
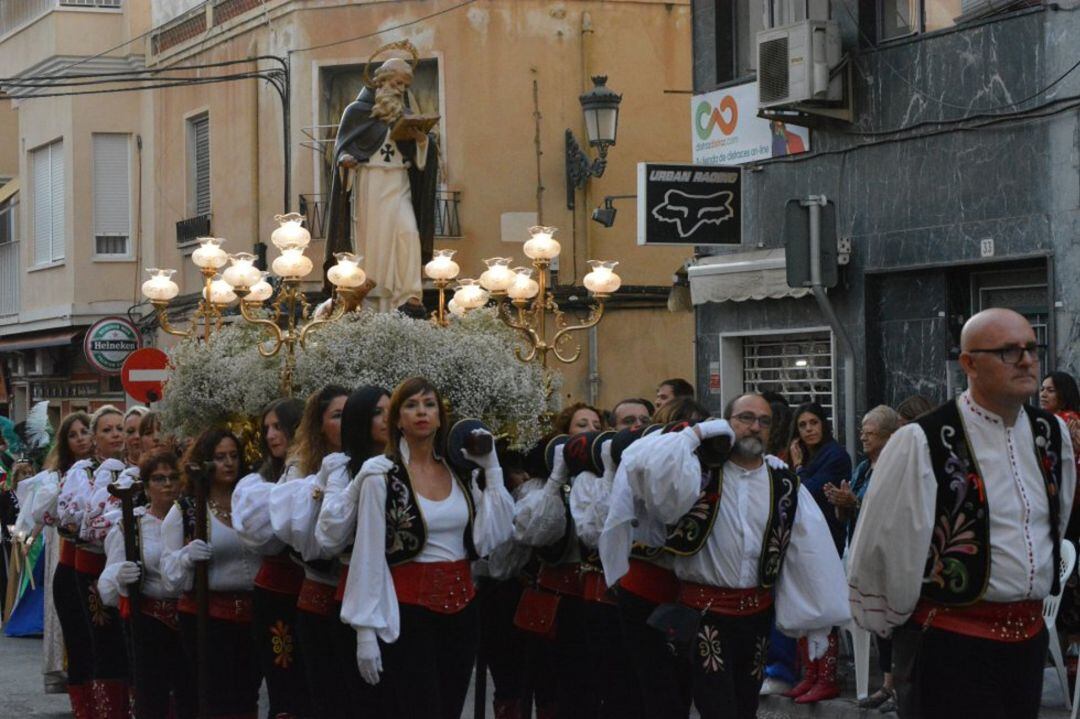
(826, 686)
(810, 671)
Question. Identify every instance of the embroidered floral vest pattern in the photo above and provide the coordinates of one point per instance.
(406, 532)
(958, 561)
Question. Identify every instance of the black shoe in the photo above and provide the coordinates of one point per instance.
(415, 310)
(878, 699)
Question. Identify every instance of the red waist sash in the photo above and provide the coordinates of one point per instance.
(339, 594)
(562, 579)
(725, 601)
(88, 562)
(317, 598)
(997, 621)
(67, 553)
(163, 610)
(278, 573)
(651, 582)
(596, 589)
(226, 606)
(442, 587)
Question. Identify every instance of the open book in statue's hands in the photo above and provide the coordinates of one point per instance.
(404, 127)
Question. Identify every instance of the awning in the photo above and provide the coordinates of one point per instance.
(9, 189)
(741, 276)
(44, 339)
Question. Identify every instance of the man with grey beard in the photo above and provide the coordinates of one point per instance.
(752, 550)
(392, 183)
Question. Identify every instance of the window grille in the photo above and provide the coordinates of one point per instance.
(797, 367)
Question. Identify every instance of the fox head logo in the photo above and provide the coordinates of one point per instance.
(689, 212)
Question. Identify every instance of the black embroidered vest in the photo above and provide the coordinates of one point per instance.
(406, 532)
(690, 533)
(958, 562)
(557, 552)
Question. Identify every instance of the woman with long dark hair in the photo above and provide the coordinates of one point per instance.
(294, 510)
(74, 443)
(277, 585)
(820, 462)
(108, 671)
(409, 591)
(232, 673)
(165, 686)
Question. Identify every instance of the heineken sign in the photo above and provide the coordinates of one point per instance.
(109, 342)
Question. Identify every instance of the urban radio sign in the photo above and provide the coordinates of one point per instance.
(109, 342)
(727, 131)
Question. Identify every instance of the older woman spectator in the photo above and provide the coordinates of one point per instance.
(877, 426)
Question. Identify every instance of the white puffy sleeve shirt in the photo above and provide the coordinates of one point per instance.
(590, 500)
(74, 496)
(336, 523)
(295, 505)
(370, 604)
(152, 583)
(657, 482)
(251, 511)
(103, 510)
(892, 537)
(37, 502)
(540, 515)
(232, 566)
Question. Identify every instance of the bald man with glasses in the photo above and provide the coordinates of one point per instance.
(958, 541)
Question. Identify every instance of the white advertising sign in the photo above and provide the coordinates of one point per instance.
(727, 131)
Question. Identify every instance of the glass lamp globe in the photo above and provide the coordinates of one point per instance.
(524, 286)
(498, 276)
(542, 244)
(470, 295)
(346, 273)
(602, 279)
(243, 273)
(260, 291)
(209, 255)
(442, 266)
(160, 287)
(221, 292)
(290, 233)
(292, 264)
(455, 308)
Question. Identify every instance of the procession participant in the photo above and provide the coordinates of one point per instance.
(108, 670)
(277, 585)
(165, 686)
(754, 545)
(294, 511)
(958, 541)
(232, 672)
(132, 439)
(631, 552)
(74, 444)
(631, 414)
(681, 409)
(577, 417)
(152, 438)
(673, 389)
(363, 435)
(409, 591)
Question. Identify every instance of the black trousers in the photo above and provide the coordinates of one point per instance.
(363, 701)
(575, 670)
(942, 675)
(107, 645)
(504, 647)
(278, 653)
(337, 691)
(232, 674)
(618, 693)
(884, 649)
(427, 670)
(73, 625)
(664, 677)
(165, 678)
(729, 664)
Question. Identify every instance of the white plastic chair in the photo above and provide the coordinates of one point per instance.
(860, 649)
(1050, 611)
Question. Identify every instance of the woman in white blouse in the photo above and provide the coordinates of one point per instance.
(38, 498)
(162, 670)
(233, 678)
(409, 591)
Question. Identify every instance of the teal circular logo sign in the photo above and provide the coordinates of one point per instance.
(108, 343)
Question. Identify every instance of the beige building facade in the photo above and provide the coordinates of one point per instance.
(137, 175)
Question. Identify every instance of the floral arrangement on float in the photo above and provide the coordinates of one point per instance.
(224, 381)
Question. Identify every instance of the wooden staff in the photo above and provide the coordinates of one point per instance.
(127, 495)
(201, 479)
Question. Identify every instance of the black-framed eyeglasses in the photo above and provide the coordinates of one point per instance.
(1013, 354)
(748, 418)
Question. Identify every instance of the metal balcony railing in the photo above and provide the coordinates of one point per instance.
(447, 219)
(314, 209)
(187, 230)
(9, 278)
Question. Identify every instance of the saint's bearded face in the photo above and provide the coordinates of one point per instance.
(390, 97)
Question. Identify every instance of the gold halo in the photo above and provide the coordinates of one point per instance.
(397, 45)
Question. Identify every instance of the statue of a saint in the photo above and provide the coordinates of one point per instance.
(388, 163)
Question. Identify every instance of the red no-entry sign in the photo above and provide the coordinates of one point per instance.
(143, 374)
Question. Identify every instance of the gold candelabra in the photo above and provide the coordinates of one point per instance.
(217, 295)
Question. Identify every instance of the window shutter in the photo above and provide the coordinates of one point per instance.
(112, 194)
(56, 163)
(201, 132)
(42, 206)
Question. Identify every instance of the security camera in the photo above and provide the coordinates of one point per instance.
(604, 215)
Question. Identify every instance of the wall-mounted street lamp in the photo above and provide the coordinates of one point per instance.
(605, 214)
(601, 108)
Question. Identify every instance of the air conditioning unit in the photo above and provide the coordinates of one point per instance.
(795, 61)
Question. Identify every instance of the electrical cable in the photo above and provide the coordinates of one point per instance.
(159, 85)
(383, 31)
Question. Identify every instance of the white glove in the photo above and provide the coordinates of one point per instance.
(128, 573)
(605, 458)
(379, 464)
(775, 462)
(486, 462)
(195, 551)
(368, 658)
(713, 428)
(559, 473)
(817, 643)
